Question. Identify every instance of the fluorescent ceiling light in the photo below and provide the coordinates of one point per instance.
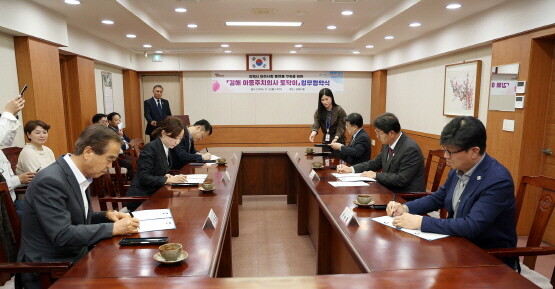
(224, 45)
(453, 6)
(347, 13)
(298, 45)
(159, 51)
(180, 10)
(389, 37)
(286, 24)
(356, 52)
(147, 46)
(73, 2)
(131, 36)
(369, 46)
(107, 21)
(293, 51)
(192, 25)
(227, 51)
(331, 27)
(415, 24)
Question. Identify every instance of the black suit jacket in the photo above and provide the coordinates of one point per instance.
(357, 151)
(152, 168)
(184, 152)
(124, 145)
(152, 113)
(403, 172)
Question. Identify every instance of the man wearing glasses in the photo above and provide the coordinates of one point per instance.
(478, 194)
(400, 160)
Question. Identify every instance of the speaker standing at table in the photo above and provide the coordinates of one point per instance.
(156, 109)
(330, 117)
(358, 150)
(58, 223)
(154, 162)
(185, 151)
(478, 194)
(400, 159)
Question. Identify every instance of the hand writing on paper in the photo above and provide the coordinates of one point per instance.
(408, 221)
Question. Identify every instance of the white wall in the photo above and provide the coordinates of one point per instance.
(117, 86)
(269, 108)
(8, 79)
(415, 91)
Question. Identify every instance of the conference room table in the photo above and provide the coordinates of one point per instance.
(369, 252)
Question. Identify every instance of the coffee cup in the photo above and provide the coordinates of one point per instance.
(171, 251)
(364, 199)
(221, 160)
(316, 164)
(208, 186)
(309, 150)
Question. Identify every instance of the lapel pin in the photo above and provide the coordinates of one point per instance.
(479, 178)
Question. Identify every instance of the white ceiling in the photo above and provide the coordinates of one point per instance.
(155, 22)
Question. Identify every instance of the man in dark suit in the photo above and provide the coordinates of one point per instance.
(400, 160)
(58, 222)
(185, 151)
(156, 109)
(114, 119)
(358, 150)
(478, 194)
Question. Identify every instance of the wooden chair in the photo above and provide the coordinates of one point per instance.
(440, 168)
(544, 211)
(107, 193)
(48, 272)
(135, 147)
(12, 154)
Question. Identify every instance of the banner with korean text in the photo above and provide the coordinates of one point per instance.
(276, 82)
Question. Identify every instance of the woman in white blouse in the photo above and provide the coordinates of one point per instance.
(35, 155)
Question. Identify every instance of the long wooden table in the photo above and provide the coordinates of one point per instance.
(385, 253)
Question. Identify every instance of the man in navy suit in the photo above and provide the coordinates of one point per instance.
(358, 150)
(185, 151)
(478, 194)
(156, 109)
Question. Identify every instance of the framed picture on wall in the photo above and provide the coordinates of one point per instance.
(461, 93)
(259, 62)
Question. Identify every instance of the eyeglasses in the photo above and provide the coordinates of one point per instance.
(446, 151)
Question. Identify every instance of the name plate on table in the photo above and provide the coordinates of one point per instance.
(211, 220)
(234, 157)
(313, 175)
(226, 176)
(348, 217)
(297, 157)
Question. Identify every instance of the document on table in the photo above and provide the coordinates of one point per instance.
(348, 184)
(353, 177)
(214, 157)
(196, 178)
(387, 220)
(154, 220)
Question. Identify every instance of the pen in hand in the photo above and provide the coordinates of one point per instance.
(206, 149)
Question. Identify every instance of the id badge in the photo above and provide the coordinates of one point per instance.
(327, 137)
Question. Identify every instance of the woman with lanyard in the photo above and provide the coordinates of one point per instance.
(330, 117)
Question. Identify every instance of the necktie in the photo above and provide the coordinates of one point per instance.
(389, 153)
(169, 159)
(160, 106)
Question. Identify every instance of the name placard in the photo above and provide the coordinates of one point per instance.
(313, 175)
(348, 217)
(234, 157)
(297, 157)
(227, 176)
(211, 220)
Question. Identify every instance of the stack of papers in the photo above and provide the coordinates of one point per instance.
(154, 220)
(348, 184)
(387, 220)
(196, 178)
(353, 177)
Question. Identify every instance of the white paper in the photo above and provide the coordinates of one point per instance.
(387, 220)
(196, 178)
(348, 184)
(214, 157)
(156, 225)
(152, 214)
(356, 179)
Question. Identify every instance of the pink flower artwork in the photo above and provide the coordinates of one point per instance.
(463, 92)
(215, 86)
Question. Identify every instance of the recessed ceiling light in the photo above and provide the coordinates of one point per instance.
(242, 23)
(331, 27)
(293, 51)
(415, 24)
(131, 36)
(224, 45)
(389, 37)
(347, 13)
(159, 51)
(107, 21)
(356, 52)
(298, 45)
(192, 25)
(147, 46)
(73, 2)
(453, 6)
(227, 51)
(180, 10)
(369, 46)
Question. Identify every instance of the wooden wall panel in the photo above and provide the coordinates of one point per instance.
(132, 101)
(378, 104)
(38, 66)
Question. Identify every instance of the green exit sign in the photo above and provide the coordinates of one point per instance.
(157, 58)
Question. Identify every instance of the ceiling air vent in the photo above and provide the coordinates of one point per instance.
(263, 11)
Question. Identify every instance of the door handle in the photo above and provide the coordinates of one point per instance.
(547, 151)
